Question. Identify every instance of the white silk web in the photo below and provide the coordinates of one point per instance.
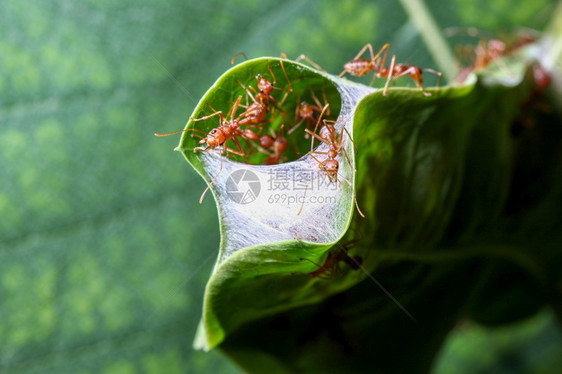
(294, 200)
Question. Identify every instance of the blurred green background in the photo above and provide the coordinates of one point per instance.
(104, 248)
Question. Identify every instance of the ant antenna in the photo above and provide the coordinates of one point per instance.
(237, 55)
(372, 278)
(178, 132)
(303, 200)
(213, 180)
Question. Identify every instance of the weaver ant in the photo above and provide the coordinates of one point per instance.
(307, 112)
(360, 66)
(331, 267)
(217, 138)
(488, 49)
(256, 112)
(328, 135)
(265, 87)
(278, 143)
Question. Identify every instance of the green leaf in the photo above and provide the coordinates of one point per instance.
(104, 248)
(434, 176)
(268, 237)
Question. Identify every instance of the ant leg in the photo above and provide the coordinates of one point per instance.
(197, 136)
(380, 66)
(343, 149)
(247, 90)
(384, 48)
(415, 73)
(354, 170)
(318, 153)
(316, 127)
(295, 127)
(325, 98)
(219, 113)
(180, 131)
(288, 81)
(234, 108)
(357, 205)
(349, 135)
(303, 259)
(319, 105)
(241, 154)
(390, 72)
(438, 73)
(214, 179)
(236, 55)
(307, 59)
(303, 200)
(320, 163)
(367, 46)
(289, 90)
(271, 73)
(314, 135)
(298, 107)
(239, 147)
(345, 179)
(285, 96)
(348, 160)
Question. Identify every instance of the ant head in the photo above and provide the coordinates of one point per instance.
(214, 138)
(331, 167)
(264, 86)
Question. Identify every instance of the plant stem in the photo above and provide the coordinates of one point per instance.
(432, 36)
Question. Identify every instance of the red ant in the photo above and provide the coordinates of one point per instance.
(328, 135)
(218, 136)
(307, 112)
(488, 50)
(256, 112)
(279, 145)
(265, 87)
(484, 53)
(331, 267)
(361, 66)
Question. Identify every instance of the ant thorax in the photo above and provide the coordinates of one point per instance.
(306, 110)
(333, 151)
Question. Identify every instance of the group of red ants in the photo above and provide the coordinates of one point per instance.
(260, 102)
(248, 125)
